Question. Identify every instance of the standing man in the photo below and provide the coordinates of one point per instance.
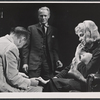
(11, 80)
(40, 55)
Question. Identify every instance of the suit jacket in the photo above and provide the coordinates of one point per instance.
(10, 79)
(33, 50)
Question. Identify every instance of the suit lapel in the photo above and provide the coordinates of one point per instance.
(49, 30)
(38, 26)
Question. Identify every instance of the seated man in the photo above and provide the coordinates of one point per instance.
(88, 34)
(11, 80)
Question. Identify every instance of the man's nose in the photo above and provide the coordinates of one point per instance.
(43, 17)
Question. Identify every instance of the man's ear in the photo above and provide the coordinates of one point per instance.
(49, 16)
(23, 38)
(19, 40)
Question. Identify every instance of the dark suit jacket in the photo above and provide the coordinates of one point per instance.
(33, 50)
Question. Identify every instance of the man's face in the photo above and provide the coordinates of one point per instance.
(43, 16)
(21, 42)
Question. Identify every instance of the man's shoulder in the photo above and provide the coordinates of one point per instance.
(12, 47)
(7, 43)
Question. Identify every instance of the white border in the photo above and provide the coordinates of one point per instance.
(59, 95)
(49, 1)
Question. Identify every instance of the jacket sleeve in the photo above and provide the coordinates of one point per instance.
(55, 46)
(92, 67)
(64, 72)
(12, 74)
(25, 51)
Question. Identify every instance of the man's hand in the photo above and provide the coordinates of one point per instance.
(59, 64)
(23, 74)
(42, 80)
(34, 82)
(25, 68)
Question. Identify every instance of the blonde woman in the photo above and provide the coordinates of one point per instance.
(89, 37)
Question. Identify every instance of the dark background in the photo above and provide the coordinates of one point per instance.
(64, 16)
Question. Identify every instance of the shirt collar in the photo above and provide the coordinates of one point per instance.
(9, 38)
(46, 24)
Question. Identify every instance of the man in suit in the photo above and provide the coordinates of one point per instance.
(11, 80)
(40, 55)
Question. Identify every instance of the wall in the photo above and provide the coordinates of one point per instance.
(64, 16)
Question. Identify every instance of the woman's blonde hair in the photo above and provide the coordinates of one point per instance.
(89, 26)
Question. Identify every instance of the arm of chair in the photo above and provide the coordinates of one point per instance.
(93, 83)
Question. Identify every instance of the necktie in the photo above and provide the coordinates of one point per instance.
(43, 28)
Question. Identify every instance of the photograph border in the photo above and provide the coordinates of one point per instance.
(52, 96)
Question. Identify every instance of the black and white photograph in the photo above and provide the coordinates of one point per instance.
(50, 47)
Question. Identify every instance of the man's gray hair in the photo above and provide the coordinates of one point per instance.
(20, 31)
(44, 8)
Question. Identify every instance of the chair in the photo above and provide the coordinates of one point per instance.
(93, 83)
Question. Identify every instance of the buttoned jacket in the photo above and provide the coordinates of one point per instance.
(33, 50)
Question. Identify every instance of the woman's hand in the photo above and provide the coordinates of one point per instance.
(78, 52)
(79, 49)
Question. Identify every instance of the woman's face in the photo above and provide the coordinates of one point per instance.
(84, 36)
